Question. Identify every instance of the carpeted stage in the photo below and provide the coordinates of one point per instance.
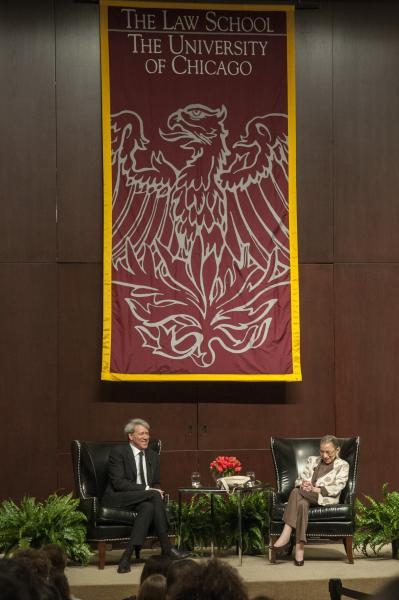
(282, 581)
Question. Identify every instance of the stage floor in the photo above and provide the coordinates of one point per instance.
(280, 581)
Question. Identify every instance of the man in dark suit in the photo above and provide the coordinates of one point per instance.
(134, 484)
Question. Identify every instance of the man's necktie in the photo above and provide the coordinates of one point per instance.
(141, 466)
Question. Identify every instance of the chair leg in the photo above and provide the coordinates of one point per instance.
(348, 543)
(101, 554)
(335, 589)
(272, 541)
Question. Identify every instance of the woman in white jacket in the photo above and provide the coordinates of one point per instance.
(321, 482)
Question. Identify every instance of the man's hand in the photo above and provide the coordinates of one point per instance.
(157, 490)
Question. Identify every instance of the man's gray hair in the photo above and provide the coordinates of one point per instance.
(133, 423)
(330, 439)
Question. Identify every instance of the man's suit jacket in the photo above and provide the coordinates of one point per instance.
(334, 481)
(122, 489)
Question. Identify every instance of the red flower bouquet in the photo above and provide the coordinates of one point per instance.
(225, 466)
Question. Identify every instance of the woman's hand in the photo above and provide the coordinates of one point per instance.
(307, 486)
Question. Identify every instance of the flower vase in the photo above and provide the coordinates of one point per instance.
(215, 477)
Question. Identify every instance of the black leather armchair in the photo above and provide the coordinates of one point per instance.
(105, 526)
(333, 521)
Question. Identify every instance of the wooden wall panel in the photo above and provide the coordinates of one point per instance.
(366, 373)
(28, 383)
(314, 133)
(366, 131)
(176, 469)
(27, 123)
(79, 158)
(246, 415)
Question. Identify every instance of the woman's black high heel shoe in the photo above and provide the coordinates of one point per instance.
(276, 551)
(299, 563)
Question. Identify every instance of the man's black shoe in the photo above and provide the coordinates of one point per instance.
(176, 554)
(124, 565)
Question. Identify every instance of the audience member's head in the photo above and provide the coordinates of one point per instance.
(261, 597)
(389, 591)
(179, 568)
(12, 589)
(59, 580)
(58, 562)
(10, 569)
(47, 591)
(35, 561)
(38, 564)
(215, 580)
(56, 556)
(153, 588)
(155, 565)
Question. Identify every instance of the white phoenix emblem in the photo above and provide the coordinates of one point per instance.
(202, 249)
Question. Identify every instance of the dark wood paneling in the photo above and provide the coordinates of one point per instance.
(66, 482)
(246, 415)
(79, 347)
(27, 124)
(366, 373)
(314, 133)
(28, 383)
(366, 131)
(79, 158)
(176, 469)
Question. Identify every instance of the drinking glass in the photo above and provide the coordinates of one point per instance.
(195, 479)
(251, 475)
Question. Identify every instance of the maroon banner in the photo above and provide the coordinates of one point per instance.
(200, 273)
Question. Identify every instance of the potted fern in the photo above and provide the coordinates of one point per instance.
(35, 524)
(201, 527)
(377, 523)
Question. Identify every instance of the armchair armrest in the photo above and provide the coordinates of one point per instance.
(278, 497)
(350, 499)
(275, 498)
(89, 507)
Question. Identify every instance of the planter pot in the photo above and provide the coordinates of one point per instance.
(395, 549)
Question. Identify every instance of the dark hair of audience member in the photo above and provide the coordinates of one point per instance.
(261, 597)
(60, 582)
(35, 560)
(12, 589)
(155, 565)
(153, 588)
(58, 562)
(9, 568)
(178, 568)
(38, 564)
(215, 580)
(56, 556)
